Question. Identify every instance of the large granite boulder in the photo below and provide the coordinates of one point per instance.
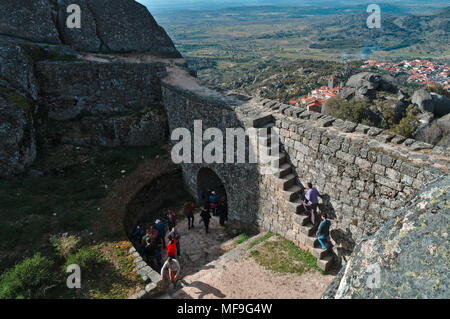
(28, 19)
(435, 132)
(431, 102)
(366, 84)
(407, 257)
(18, 92)
(123, 26)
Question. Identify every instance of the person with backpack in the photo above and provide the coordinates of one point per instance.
(149, 253)
(206, 216)
(170, 217)
(171, 248)
(139, 232)
(189, 213)
(173, 267)
(161, 228)
(143, 242)
(324, 231)
(175, 235)
(222, 210)
(213, 202)
(312, 202)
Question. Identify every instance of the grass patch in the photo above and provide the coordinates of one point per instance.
(243, 237)
(35, 211)
(30, 278)
(283, 256)
(260, 240)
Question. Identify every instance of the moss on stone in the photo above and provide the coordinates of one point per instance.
(15, 98)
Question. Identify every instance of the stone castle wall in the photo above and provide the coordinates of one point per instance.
(364, 173)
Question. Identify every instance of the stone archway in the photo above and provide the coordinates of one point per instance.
(207, 178)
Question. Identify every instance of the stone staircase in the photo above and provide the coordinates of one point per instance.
(284, 177)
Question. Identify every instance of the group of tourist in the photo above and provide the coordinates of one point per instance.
(151, 241)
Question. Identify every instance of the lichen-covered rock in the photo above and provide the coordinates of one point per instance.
(366, 84)
(28, 19)
(410, 253)
(127, 26)
(16, 70)
(431, 102)
(17, 141)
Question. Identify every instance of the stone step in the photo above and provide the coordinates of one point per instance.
(326, 262)
(265, 141)
(285, 169)
(269, 150)
(297, 208)
(312, 242)
(280, 160)
(301, 219)
(292, 193)
(319, 253)
(307, 229)
(259, 120)
(287, 181)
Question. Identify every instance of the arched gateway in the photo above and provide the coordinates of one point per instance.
(208, 179)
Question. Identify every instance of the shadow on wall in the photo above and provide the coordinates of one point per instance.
(163, 192)
(208, 179)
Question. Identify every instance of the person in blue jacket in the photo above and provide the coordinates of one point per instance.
(161, 228)
(323, 231)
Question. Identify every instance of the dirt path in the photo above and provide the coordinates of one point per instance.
(236, 275)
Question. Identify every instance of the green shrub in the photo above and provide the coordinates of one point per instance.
(357, 111)
(242, 238)
(31, 278)
(407, 125)
(87, 258)
(439, 89)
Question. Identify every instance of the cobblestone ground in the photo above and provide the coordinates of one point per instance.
(197, 247)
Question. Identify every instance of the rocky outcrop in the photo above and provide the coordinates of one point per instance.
(107, 26)
(18, 92)
(125, 26)
(407, 257)
(50, 95)
(431, 102)
(28, 19)
(436, 131)
(366, 84)
(114, 26)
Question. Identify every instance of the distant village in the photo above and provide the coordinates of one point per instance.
(419, 71)
(317, 97)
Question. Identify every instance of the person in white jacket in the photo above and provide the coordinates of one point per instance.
(173, 267)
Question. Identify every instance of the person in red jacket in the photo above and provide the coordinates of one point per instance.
(172, 248)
